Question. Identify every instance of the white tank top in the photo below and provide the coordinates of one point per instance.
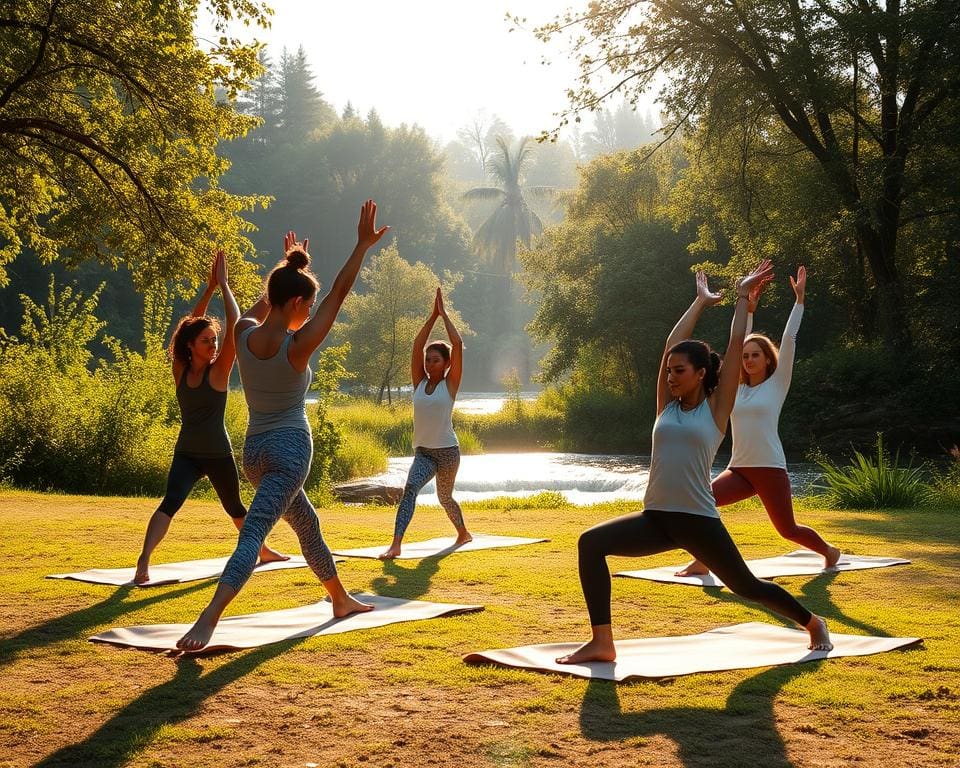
(684, 446)
(433, 417)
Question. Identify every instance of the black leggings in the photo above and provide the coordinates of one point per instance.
(650, 532)
(186, 470)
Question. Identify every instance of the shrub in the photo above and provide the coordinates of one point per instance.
(880, 483)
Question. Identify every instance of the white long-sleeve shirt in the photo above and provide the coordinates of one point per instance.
(756, 412)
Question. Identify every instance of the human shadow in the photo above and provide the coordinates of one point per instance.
(71, 625)
(745, 729)
(409, 583)
(115, 742)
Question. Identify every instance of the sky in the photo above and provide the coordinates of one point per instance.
(436, 63)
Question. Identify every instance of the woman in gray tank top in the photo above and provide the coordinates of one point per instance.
(695, 396)
(202, 374)
(275, 340)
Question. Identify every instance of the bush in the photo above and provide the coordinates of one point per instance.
(359, 455)
(880, 483)
(946, 482)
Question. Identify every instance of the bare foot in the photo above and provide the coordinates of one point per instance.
(346, 605)
(463, 537)
(831, 558)
(142, 575)
(594, 650)
(819, 634)
(199, 634)
(268, 555)
(391, 553)
(695, 568)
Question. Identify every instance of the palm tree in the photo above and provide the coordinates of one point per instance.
(513, 219)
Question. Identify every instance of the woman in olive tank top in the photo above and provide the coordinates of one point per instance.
(202, 376)
(695, 396)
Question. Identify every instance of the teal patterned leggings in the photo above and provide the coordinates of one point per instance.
(427, 463)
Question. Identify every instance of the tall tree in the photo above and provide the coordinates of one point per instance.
(859, 86)
(513, 220)
(302, 107)
(108, 128)
(262, 99)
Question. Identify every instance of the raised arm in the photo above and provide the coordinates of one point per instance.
(788, 343)
(200, 308)
(724, 396)
(220, 375)
(417, 374)
(681, 331)
(753, 300)
(455, 374)
(315, 330)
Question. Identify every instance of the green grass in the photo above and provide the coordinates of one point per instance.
(400, 695)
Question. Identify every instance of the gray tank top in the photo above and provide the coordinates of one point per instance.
(274, 389)
(202, 433)
(684, 446)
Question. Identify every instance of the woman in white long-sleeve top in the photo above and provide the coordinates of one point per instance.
(758, 466)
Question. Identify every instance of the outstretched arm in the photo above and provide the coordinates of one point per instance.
(455, 374)
(788, 343)
(417, 374)
(228, 350)
(311, 336)
(724, 396)
(199, 309)
(681, 331)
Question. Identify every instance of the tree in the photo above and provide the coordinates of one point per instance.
(381, 323)
(109, 124)
(858, 86)
(513, 220)
(302, 107)
(262, 100)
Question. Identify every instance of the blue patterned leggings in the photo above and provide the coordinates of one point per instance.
(277, 463)
(427, 462)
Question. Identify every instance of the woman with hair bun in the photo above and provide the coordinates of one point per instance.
(695, 395)
(275, 340)
(202, 375)
(436, 374)
(758, 466)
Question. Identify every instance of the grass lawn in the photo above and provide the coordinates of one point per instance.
(401, 696)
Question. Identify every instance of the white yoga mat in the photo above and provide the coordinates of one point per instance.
(742, 646)
(417, 550)
(803, 562)
(256, 629)
(172, 573)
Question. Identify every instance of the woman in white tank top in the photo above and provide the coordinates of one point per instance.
(436, 374)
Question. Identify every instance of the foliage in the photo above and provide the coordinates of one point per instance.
(859, 90)
(109, 124)
(381, 322)
(327, 437)
(874, 483)
(946, 482)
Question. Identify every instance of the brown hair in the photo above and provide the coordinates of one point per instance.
(768, 348)
(187, 330)
(442, 347)
(291, 278)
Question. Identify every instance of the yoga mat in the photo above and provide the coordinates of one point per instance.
(803, 562)
(172, 573)
(742, 646)
(256, 629)
(416, 550)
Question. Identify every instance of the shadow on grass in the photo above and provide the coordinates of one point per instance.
(744, 732)
(408, 583)
(134, 727)
(903, 527)
(75, 624)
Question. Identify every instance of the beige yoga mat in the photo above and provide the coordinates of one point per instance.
(172, 573)
(742, 646)
(417, 550)
(256, 629)
(803, 562)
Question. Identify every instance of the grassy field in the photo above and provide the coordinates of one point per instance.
(401, 696)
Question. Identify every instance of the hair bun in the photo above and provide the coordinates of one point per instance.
(298, 258)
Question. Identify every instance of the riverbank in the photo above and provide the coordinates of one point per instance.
(402, 693)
